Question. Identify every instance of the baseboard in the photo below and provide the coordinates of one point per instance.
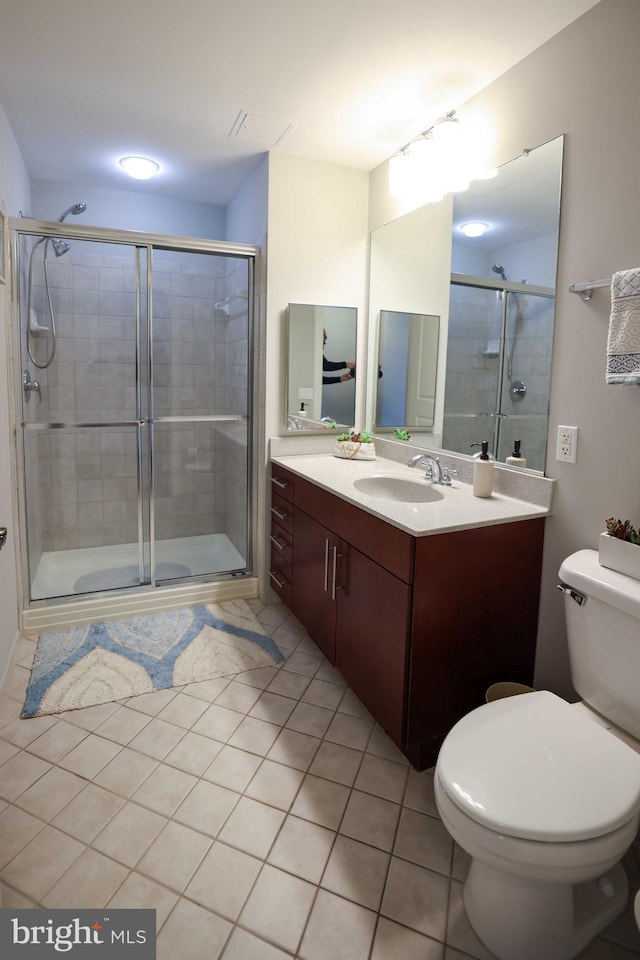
(81, 612)
(8, 663)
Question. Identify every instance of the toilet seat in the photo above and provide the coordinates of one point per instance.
(532, 767)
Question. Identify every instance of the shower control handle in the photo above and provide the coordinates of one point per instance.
(30, 386)
(3, 537)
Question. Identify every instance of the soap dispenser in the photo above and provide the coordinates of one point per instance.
(302, 412)
(516, 459)
(482, 471)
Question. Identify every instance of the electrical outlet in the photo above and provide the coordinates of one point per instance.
(567, 444)
(305, 393)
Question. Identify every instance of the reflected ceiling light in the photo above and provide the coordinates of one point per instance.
(442, 159)
(475, 228)
(140, 168)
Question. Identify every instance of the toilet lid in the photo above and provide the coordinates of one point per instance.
(532, 766)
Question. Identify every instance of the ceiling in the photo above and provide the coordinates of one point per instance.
(346, 81)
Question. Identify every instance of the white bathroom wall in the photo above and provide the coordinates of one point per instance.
(582, 83)
(247, 213)
(14, 195)
(317, 254)
(317, 248)
(128, 210)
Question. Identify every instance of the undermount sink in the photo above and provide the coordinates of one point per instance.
(397, 488)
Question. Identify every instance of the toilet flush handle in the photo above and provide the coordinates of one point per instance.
(579, 598)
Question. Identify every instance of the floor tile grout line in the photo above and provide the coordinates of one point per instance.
(263, 756)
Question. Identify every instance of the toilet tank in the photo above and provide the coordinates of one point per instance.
(603, 635)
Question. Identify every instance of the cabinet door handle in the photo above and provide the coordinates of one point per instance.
(278, 583)
(280, 544)
(326, 566)
(279, 483)
(336, 556)
(280, 514)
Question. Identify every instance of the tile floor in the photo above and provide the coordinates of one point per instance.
(265, 817)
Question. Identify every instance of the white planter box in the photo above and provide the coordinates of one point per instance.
(619, 555)
(349, 450)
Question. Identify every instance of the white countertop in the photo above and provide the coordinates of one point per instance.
(457, 510)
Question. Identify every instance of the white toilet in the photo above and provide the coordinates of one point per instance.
(545, 795)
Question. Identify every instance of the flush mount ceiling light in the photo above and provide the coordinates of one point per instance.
(140, 168)
(442, 159)
(475, 228)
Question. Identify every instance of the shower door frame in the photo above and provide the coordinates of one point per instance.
(138, 241)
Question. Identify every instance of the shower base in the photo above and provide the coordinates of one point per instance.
(59, 570)
(64, 573)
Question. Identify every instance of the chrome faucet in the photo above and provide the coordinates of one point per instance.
(434, 469)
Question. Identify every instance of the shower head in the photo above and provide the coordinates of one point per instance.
(60, 247)
(497, 268)
(74, 209)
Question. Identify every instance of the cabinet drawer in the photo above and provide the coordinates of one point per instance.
(282, 482)
(280, 583)
(281, 513)
(281, 544)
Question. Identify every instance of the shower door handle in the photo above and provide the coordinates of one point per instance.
(30, 386)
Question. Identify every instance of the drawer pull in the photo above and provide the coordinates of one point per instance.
(279, 483)
(279, 583)
(280, 544)
(280, 514)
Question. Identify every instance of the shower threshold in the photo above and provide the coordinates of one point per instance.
(65, 573)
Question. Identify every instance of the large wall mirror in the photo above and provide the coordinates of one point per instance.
(321, 369)
(492, 360)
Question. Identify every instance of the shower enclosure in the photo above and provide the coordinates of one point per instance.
(498, 367)
(136, 399)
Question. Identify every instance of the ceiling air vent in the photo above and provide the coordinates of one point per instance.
(255, 126)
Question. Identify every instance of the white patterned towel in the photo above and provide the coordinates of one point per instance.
(623, 342)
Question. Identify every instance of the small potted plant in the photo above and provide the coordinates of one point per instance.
(618, 547)
(355, 446)
(401, 434)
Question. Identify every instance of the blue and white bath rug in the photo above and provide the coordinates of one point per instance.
(115, 660)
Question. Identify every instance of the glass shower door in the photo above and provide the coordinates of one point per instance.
(136, 427)
(524, 393)
(200, 405)
(83, 438)
(498, 370)
(474, 357)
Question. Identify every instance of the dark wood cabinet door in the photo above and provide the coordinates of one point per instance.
(372, 636)
(312, 595)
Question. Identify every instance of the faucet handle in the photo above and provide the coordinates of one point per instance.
(447, 474)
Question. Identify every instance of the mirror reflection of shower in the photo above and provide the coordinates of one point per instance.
(60, 247)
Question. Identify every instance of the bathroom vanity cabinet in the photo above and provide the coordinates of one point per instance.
(419, 626)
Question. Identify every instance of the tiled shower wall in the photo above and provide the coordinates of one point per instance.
(87, 487)
(475, 322)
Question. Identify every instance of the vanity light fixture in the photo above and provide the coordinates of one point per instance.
(475, 228)
(442, 159)
(140, 168)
